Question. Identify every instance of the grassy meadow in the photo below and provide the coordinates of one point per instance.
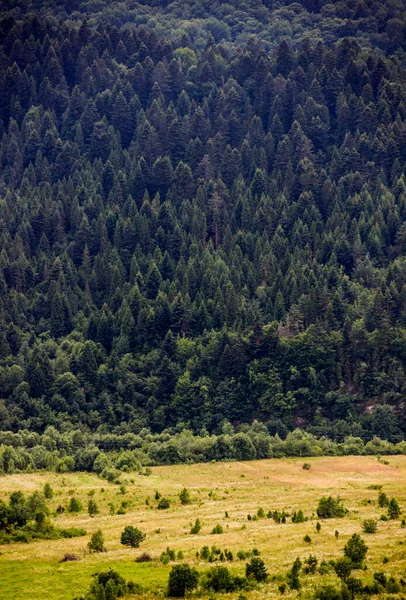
(33, 570)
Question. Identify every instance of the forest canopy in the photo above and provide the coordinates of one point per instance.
(202, 217)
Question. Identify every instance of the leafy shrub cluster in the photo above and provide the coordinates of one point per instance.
(330, 508)
(214, 554)
(110, 584)
(25, 519)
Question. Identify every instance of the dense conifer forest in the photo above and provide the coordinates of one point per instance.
(202, 217)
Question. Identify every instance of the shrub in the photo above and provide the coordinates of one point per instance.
(293, 575)
(369, 526)
(217, 529)
(310, 564)
(48, 492)
(92, 508)
(110, 474)
(356, 550)
(328, 592)
(196, 527)
(74, 506)
(261, 513)
(69, 558)
(163, 504)
(318, 527)
(132, 537)
(383, 500)
(167, 556)
(306, 466)
(307, 539)
(329, 508)
(145, 557)
(393, 509)
(219, 579)
(343, 567)
(182, 579)
(298, 517)
(256, 568)
(71, 532)
(184, 497)
(96, 543)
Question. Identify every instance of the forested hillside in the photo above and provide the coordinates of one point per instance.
(202, 216)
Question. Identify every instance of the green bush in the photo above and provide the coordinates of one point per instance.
(75, 506)
(293, 575)
(256, 568)
(356, 550)
(182, 579)
(329, 508)
(184, 497)
(393, 509)
(96, 543)
(310, 565)
(217, 529)
(369, 525)
(92, 507)
(343, 567)
(219, 579)
(196, 527)
(132, 536)
(163, 504)
(48, 492)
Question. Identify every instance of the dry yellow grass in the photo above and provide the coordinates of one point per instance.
(32, 570)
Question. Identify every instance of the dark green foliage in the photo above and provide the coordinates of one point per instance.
(343, 567)
(201, 223)
(163, 504)
(256, 568)
(196, 527)
(219, 579)
(24, 519)
(75, 506)
(48, 492)
(184, 497)
(96, 543)
(182, 579)
(110, 584)
(393, 509)
(132, 536)
(298, 517)
(355, 550)
(92, 507)
(369, 526)
(293, 575)
(329, 508)
(310, 563)
(217, 529)
(328, 592)
(383, 499)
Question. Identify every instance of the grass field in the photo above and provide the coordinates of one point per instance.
(33, 570)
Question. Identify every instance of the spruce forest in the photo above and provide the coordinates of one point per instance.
(202, 224)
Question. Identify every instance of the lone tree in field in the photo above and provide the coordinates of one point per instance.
(132, 537)
(92, 507)
(330, 507)
(356, 550)
(96, 543)
(293, 575)
(184, 497)
(256, 567)
(182, 579)
(48, 491)
(393, 509)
